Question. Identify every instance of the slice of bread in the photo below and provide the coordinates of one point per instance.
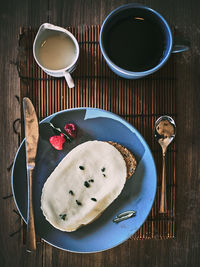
(87, 180)
(129, 158)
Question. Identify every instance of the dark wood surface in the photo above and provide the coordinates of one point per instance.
(184, 250)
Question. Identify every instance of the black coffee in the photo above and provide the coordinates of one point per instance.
(136, 41)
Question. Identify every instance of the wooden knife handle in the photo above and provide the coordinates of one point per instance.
(163, 199)
(31, 237)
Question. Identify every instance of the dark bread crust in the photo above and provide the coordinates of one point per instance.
(129, 158)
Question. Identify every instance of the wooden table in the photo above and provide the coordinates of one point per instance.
(181, 251)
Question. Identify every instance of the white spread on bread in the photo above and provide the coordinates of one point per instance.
(95, 173)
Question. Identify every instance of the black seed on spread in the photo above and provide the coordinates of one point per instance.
(104, 175)
(94, 199)
(91, 181)
(81, 167)
(71, 192)
(86, 184)
(103, 169)
(63, 216)
(78, 202)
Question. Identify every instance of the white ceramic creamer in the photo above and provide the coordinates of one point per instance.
(56, 51)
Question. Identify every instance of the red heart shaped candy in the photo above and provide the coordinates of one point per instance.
(57, 141)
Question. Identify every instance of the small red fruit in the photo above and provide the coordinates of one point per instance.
(71, 129)
(57, 141)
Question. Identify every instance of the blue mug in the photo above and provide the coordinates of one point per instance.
(118, 14)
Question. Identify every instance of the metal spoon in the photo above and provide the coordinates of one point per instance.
(165, 131)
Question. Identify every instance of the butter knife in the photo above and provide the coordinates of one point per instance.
(32, 136)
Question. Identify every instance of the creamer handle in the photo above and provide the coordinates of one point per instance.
(69, 79)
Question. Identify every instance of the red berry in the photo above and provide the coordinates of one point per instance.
(71, 129)
(57, 141)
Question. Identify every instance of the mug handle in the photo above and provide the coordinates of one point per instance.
(179, 48)
(69, 79)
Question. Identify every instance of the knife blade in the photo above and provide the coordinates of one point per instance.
(32, 137)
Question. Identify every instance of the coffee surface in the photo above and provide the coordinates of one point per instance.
(135, 43)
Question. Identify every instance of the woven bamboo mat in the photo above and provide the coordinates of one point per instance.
(140, 102)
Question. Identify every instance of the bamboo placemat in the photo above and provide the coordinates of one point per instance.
(140, 102)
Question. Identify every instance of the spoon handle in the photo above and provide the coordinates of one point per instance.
(163, 199)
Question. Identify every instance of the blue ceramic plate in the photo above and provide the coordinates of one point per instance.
(138, 193)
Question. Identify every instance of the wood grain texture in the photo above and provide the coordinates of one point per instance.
(184, 250)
